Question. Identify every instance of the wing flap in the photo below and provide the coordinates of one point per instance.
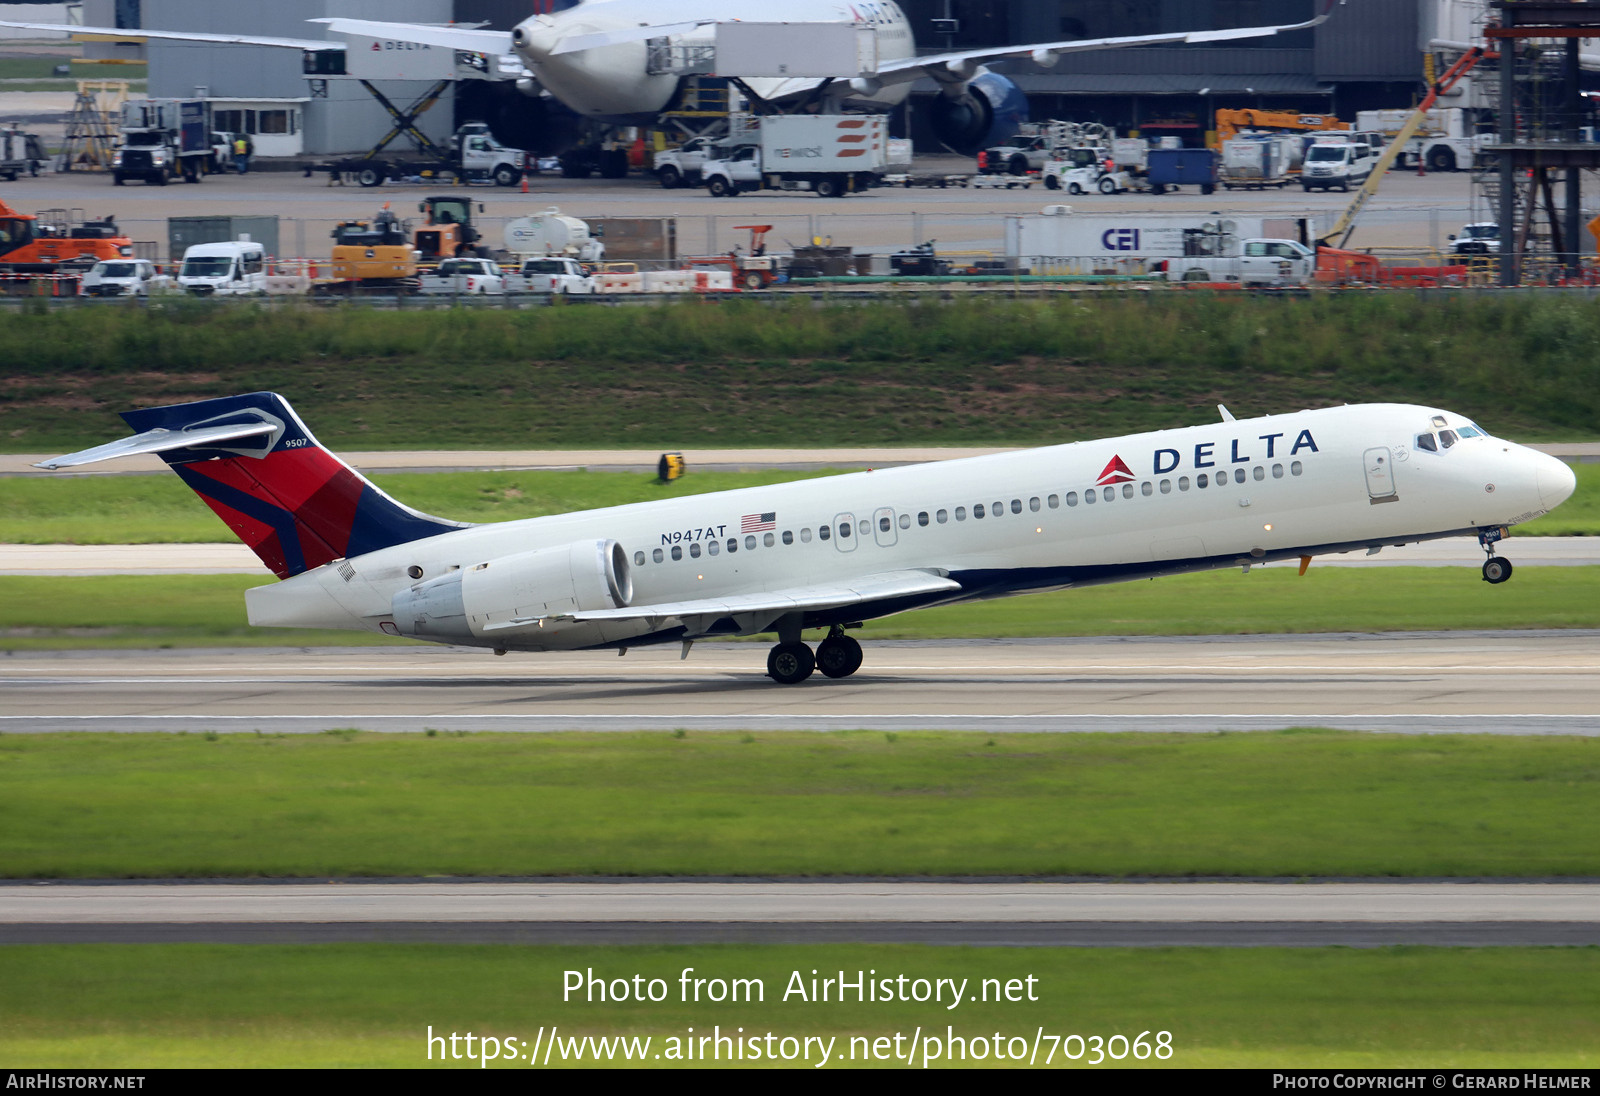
(772, 603)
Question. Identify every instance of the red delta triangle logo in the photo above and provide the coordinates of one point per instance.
(1115, 472)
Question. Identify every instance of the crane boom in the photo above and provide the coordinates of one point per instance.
(1346, 224)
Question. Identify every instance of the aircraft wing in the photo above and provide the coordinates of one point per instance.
(187, 36)
(471, 41)
(769, 605)
(960, 63)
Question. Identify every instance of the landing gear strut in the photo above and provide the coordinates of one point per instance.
(1495, 569)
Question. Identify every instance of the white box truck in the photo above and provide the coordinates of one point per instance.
(828, 154)
(1059, 241)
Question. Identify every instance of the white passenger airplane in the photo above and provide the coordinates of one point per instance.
(594, 56)
(829, 553)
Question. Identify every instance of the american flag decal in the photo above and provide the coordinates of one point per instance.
(758, 523)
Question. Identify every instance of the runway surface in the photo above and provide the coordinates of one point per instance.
(1085, 914)
(1502, 683)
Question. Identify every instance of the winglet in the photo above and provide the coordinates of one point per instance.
(1227, 416)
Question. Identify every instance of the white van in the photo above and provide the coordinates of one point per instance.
(1340, 162)
(231, 268)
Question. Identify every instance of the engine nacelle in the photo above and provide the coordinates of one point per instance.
(464, 604)
(987, 112)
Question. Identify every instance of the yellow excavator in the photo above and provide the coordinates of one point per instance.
(384, 255)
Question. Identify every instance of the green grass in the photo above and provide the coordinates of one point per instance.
(53, 612)
(801, 373)
(153, 1006)
(42, 69)
(160, 509)
(848, 803)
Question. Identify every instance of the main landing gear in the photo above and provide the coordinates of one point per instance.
(1495, 569)
(791, 662)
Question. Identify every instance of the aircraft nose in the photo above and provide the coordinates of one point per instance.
(1557, 481)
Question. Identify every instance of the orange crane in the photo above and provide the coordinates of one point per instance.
(1230, 122)
(1346, 224)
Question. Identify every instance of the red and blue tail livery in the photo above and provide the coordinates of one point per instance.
(257, 466)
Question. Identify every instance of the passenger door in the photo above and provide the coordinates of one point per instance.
(1380, 475)
(844, 532)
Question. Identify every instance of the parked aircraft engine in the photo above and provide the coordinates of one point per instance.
(463, 604)
(986, 113)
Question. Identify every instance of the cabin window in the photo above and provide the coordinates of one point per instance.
(1053, 502)
(977, 511)
(1089, 497)
(1109, 494)
(998, 509)
(638, 559)
(694, 550)
(865, 526)
(884, 524)
(767, 539)
(1221, 480)
(1202, 480)
(1259, 473)
(844, 530)
(677, 551)
(1166, 487)
(733, 545)
(905, 521)
(805, 535)
(1147, 489)
(824, 532)
(941, 517)
(1238, 475)
(1447, 438)
(1033, 504)
(1072, 498)
(1127, 490)
(712, 548)
(922, 517)
(788, 537)
(1183, 483)
(750, 543)
(961, 513)
(1277, 471)
(1296, 468)
(657, 555)
(1016, 505)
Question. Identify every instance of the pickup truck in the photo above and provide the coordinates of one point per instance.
(122, 278)
(464, 277)
(1257, 262)
(550, 275)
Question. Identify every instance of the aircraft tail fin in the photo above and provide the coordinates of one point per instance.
(253, 461)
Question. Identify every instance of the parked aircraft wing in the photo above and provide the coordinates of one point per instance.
(472, 41)
(960, 64)
(186, 36)
(882, 586)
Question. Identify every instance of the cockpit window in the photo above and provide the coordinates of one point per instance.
(1447, 438)
(1470, 432)
(1426, 442)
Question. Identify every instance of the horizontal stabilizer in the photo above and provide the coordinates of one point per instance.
(161, 440)
(880, 587)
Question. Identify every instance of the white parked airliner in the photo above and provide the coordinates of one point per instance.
(826, 554)
(602, 59)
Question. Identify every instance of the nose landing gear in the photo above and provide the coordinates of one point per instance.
(1495, 569)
